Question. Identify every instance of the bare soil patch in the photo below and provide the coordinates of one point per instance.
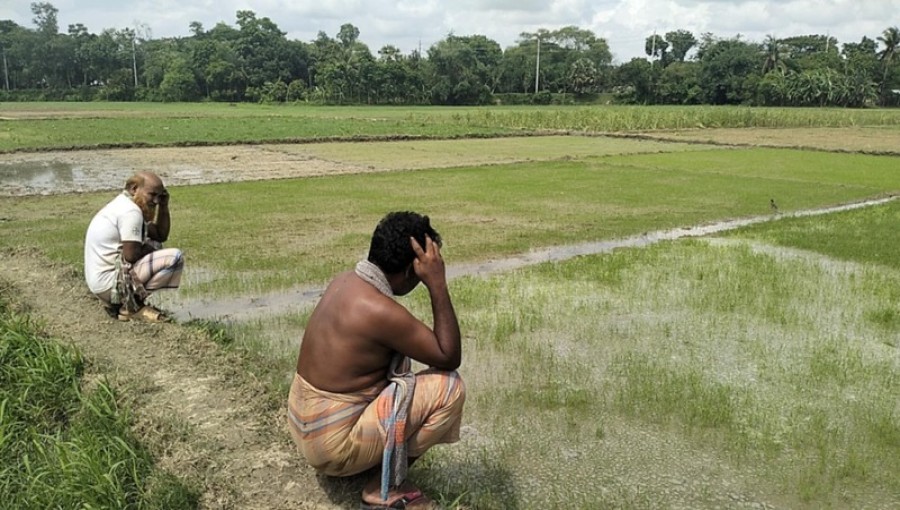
(869, 140)
(68, 171)
(57, 172)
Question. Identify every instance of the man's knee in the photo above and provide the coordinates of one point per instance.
(178, 262)
(450, 385)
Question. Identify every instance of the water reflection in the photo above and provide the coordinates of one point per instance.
(38, 172)
(244, 308)
(46, 177)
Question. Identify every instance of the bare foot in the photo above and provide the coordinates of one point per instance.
(405, 496)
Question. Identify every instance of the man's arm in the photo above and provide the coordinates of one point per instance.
(401, 331)
(158, 230)
(429, 267)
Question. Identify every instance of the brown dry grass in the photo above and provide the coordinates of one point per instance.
(870, 140)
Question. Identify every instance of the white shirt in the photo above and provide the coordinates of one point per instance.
(120, 220)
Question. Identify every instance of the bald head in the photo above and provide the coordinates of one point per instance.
(145, 189)
(141, 179)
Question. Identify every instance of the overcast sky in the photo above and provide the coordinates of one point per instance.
(410, 24)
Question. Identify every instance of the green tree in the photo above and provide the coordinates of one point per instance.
(809, 52)
(583, 77)
(45, 18)
(343, 66)
(552, 54)
(13, 53)
(263, 51)
(773, 89)
(774, 55)
(47, 56)
(890, 38)
(395, 80)
(681, 42)
(657, 47)
(635, 82)
(178, 83)
(729, 71)
(679, 83)
(460, 69)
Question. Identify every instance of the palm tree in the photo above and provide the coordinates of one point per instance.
(773, 50)
(891, 40)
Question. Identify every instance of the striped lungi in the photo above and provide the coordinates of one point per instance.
(341, 434)
(160, 269)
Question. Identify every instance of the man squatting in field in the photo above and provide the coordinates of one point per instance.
(124, 261)
(355, 404)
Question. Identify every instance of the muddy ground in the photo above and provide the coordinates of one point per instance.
(203, 416)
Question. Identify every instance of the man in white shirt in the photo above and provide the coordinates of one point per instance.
(124, 261)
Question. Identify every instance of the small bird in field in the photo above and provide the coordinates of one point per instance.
(773, 205)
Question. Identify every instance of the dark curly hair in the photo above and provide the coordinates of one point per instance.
(390, 249)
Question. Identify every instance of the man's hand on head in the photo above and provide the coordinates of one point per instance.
(164, 198)
(428, 265)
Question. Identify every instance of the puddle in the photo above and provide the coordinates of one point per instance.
(243, 308)
(43, 178)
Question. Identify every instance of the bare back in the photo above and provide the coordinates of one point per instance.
(355, 330)
(341, 351)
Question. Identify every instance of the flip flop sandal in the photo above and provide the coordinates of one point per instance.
(146, 313)
(409, 500)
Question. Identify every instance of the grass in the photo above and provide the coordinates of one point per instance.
(253, 237)
(684, 354)
(422, 154)
(179, 131)
(642, 118)
(84, 125)
(62, 446)
(760, 367)
(865, 235)
(707, 373)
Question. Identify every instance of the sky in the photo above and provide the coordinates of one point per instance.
(417, 24)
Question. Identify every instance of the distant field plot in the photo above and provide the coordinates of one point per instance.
(405, 155)
(41, 126)
(263, 235)
(880, 139)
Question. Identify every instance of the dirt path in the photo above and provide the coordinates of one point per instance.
(201, 415)
(243, 308)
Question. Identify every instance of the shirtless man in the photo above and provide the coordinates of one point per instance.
(353, 380)
(124, 261)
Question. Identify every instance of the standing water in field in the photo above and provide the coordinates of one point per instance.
(43, 178)
(242, 308)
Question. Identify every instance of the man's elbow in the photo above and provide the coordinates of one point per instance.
(449, 364)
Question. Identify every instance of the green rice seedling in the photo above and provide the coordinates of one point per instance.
(639, 118)
(218, 332)
(683, 348)
(863, 235)
(69, 125)
(485, 212)
(61, 447)
(138, 131)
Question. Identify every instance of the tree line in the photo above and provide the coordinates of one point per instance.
(253, 60)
